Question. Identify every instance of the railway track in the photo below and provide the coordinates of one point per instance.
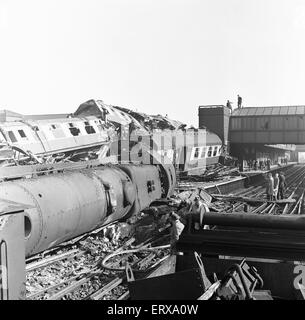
(295, 178)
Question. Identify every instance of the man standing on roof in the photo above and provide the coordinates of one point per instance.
(239, 102)
(229, 105)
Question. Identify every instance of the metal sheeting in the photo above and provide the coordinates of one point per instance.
(267, 111)
(216, 119)
(124, 116)
(12, 261)
(269, 125)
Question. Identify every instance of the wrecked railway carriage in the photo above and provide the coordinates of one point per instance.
(97, 130)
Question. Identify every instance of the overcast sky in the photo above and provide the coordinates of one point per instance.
(158, 56)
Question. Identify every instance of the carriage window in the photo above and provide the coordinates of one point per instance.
(12, 136)
(215, 151)
(210, 151)
(22, 134)
(203, 152)
(151, 186)
(196, 154)
(89, 129)
(74, 131)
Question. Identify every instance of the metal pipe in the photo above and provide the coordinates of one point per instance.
(287, 222)
(287, 245)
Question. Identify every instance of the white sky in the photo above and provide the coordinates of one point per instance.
(155, 56)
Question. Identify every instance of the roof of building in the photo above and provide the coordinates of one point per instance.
(268, 111)
(288, 147)
(210, 106)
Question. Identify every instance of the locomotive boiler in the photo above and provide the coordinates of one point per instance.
(67, 204)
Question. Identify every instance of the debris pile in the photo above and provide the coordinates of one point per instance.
(216, 173)
(154, 122)
(74, 271)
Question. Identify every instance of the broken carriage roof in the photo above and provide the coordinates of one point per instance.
(152, 122)
(115, 114)
(144, 122)
(10, 116)
(7, 115)
(99, 109)
(126, 116)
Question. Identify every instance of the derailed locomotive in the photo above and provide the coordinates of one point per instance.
(64, 205)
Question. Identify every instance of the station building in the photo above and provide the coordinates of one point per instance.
(257, 133)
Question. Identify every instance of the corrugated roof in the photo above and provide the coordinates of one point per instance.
(213, 106)
(268, 111)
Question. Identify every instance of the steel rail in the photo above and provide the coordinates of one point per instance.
(294, 175)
